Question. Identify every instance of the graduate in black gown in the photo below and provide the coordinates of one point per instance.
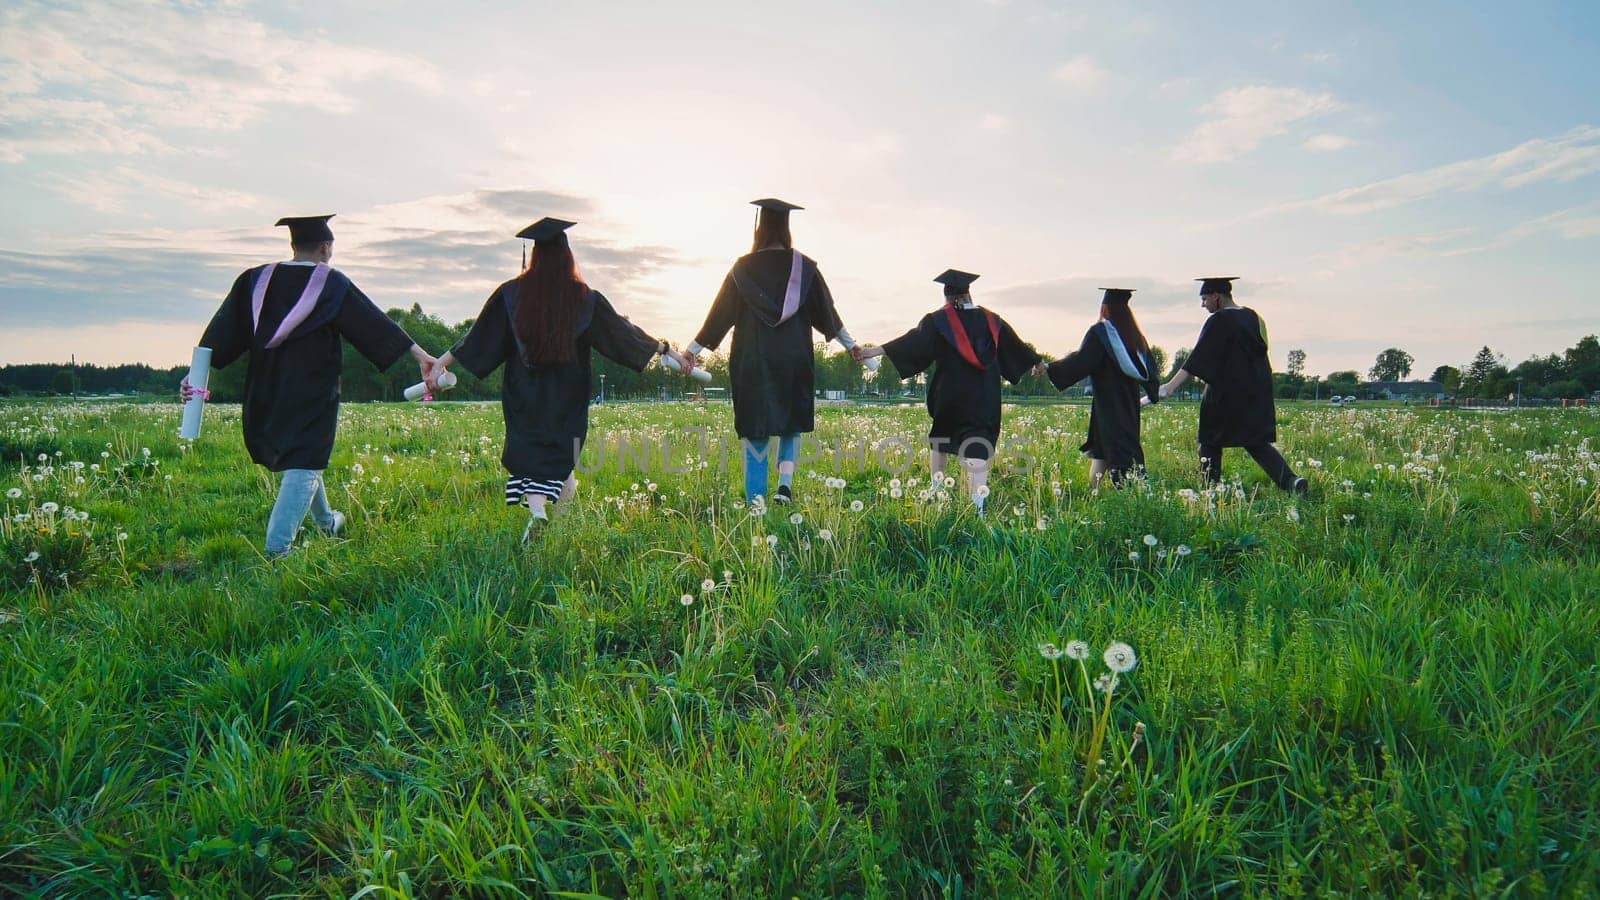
(292, 319)
(1115, 357)
(542, 326)
(970, 350)
(772, 299)
(1237, 408)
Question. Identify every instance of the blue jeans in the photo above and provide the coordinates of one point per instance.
(299, 491)
(755, 462)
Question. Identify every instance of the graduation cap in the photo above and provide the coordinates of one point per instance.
(956, 282)
(546, 229)
(1222, 284)
(1117, 295)
(774, 208)
(307, 230)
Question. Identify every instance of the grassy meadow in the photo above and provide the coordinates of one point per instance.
(1387, 688)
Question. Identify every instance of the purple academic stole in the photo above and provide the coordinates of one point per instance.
(958, 334)
(297, 313)
(791, 295)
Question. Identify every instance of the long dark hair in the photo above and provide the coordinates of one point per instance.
(772, 230)
(549, 297)
(1120, 315)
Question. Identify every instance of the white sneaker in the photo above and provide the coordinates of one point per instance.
(336, 527)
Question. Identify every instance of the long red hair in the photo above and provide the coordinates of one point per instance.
(549, 297)
(1120, 315)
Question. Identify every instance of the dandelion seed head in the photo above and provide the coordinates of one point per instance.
(33, 556)
(14, 493)
(687, 599)
(1078, 650)
(1119, 657)
(857, 506)
(796, 519)
(1151, 540)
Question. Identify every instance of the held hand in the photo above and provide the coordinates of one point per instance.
(689, 361)
(435, 370)
(685, 361)
(1166, 390)
(858, 353)
(1144, 399)
(185, 392)
(1039, 369)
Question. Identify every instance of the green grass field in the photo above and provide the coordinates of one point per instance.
(1386, 689)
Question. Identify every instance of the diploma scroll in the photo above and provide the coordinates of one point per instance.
(697, 374)
(420, 389)
(199, 375)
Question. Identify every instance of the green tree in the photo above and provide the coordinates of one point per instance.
(1583, 363)
(1158, 359)
(64, 382)
(1297, 363)
(1448, 377)
(1344, 382)
(1392, 364)
(1178, 359)
(1483, 376)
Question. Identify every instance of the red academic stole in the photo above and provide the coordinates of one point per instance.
(958, 336)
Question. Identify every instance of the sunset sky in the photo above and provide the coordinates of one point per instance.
(1423, 175)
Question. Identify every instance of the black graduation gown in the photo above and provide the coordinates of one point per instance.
(770, 369)
(963, 400)
(546, 408)
(291, 392)
(1114, 411)
(1230, 356)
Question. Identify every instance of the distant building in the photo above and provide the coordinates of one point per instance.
(1404, 390)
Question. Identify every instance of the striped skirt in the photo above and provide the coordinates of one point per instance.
(517, 488)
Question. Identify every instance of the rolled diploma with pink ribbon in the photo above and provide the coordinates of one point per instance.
(420, 389)
(697, 374)
(199, 375)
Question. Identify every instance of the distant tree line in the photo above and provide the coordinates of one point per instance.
(1574, 372)
(361, 381)
(1570, 374)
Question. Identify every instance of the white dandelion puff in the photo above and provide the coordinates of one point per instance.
(1078, 650)
(1151, 540)
(1119, 657)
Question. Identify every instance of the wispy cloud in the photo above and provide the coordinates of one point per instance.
(1240, 119)
(994, 122)
(112, 190)
(1082, 74)
(1575, 224)
(116, 77)
(1566, 157)
(1328, 143)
